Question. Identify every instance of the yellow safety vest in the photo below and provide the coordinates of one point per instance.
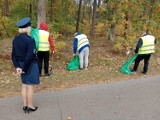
(43, 41)
(148, 45)
(82, 41)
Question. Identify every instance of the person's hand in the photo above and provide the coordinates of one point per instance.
(52, 52)
(19, 71)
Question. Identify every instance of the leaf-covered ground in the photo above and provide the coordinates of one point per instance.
(103, 68)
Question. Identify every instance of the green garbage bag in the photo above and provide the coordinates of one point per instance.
(74, 63)
(126, 66)
(35, 34)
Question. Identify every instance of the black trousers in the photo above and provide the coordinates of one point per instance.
(43, 57)
(144, 57)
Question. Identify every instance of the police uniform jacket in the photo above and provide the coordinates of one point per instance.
(23, 51)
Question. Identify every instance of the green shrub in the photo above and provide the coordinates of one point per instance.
(100, 30)
(60, 48)
(7, 29)
(122, 45)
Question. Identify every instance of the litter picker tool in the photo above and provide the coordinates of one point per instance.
(51, 62)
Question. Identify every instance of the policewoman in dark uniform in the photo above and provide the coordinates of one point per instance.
(26, 63)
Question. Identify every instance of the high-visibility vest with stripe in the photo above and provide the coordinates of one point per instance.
(148, 45)
(43, 41)
(82, 41)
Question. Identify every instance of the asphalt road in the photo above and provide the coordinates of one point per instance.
(136, 99)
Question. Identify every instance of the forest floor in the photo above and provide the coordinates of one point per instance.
(104, 67)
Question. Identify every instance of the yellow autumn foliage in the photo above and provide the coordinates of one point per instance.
(7, 27)
(60, 48)
(55, 35)
(102, 10)
(100, 30)
(122, 45)
(3, 21)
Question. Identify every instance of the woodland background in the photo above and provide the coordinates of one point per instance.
(112, 26)
(116, 20)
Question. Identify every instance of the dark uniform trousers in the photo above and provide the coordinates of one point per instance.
(144, 57)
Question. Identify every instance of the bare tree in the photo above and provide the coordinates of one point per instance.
(99, 3)
(84, 10)
(113, 24)
(78, 16)
(93, 19)
(98, 6)
(41, 11)
(6, 7)
(30, 9)
(126, 25)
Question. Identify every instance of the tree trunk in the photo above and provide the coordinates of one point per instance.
(84, 13)
(126, 27)
(99, 3)
(98, 12)
(90, 14)
(6, 7)
(113, 24)
(41, 11)
(112, 32)
(93, 19)
(30, 9)
(78, 16)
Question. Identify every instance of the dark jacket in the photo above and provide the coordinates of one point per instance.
(23, 50)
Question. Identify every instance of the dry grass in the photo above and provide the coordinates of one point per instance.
(103, 68)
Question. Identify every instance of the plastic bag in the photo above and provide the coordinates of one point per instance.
(126, 66)
(74, 63)
(35, 34)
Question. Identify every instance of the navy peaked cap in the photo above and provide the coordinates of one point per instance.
(24, 22)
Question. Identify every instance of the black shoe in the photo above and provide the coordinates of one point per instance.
(133, 72)
(47, 75)
(25, 109)
(80, 68)
(144, 73)
(31, 109)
